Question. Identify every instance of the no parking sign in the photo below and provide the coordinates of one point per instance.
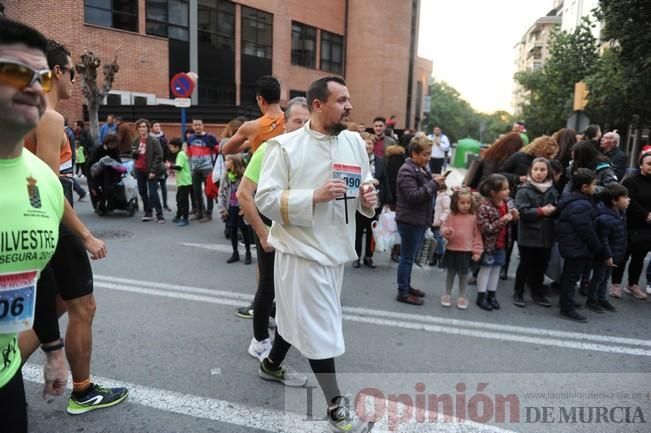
(182, 85)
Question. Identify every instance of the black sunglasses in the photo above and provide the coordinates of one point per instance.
(72, 72)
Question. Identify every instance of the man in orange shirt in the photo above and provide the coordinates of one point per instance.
(272, 123)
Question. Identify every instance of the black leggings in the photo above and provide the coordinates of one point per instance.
(533, 262)
(236, 220)
(13, 406)
(264, 296)
(363, 224)
(323, 369)
(637, 255)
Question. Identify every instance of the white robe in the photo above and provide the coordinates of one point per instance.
(313, 241)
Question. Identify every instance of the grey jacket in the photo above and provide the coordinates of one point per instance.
(415, 190)
(154, 154)
(534, 229)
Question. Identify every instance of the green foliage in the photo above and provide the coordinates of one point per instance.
(452, 113)
(608, 98)
(573, 57)
(459, 120)
(628, 22)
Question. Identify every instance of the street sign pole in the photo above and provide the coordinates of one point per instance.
(183, 122)
(182, 86)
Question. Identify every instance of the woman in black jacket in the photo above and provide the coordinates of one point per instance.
(148, 166)
(638, 220)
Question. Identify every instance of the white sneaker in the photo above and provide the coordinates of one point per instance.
(260, 349)
(648, 289)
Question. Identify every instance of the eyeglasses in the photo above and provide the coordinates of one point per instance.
(21, 76)
(72, 72)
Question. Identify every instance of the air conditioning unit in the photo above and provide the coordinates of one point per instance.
(139, 98)
(125, 97)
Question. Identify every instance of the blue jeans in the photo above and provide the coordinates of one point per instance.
(599, 281)
(411, 237)
(148, 189)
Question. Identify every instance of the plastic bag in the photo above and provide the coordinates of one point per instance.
(385, 231)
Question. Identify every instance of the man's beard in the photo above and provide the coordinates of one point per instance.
(336, 128)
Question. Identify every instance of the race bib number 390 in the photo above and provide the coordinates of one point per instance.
(17, 300)
(351, 174)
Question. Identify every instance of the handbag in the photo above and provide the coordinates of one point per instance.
(473, 175)
(385, 230)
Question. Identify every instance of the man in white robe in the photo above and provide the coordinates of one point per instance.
(312, 182)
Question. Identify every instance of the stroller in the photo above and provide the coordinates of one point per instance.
(113, 188)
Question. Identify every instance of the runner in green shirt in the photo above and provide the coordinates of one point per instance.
(31, 200)
(296, 115)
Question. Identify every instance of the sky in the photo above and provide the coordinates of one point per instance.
(471, 44)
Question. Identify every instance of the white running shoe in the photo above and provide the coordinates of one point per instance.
(260, 349)
(648, 289)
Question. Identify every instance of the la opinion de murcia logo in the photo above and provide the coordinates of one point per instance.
(32, 191)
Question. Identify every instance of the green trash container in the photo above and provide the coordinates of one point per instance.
(465, 147)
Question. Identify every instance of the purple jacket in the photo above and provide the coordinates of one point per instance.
(415, 190)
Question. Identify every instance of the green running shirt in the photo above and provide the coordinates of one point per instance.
(31, 199)
(183, 176)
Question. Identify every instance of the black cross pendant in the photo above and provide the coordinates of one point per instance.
(345, 198)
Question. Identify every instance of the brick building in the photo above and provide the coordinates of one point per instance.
(372, 43)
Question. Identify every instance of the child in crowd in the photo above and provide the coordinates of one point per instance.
(183, 182)
(536, 202)
(577, 238)
(611, 228)
(464, 243)
(80, 160)
(441, 212)
(229, 206)
(494, 217)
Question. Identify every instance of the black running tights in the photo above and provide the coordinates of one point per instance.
(324, 369)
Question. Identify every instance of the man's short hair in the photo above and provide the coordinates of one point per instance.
(613, 191)
(614, 135)
(197, 119)
(268, 88)
(57, 54)
(319, 90)
(582, 176)
(14, 32)
(299, 101)
(380, 119)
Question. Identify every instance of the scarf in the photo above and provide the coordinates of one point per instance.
(540, 186)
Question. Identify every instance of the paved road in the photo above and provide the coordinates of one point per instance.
(165, 326)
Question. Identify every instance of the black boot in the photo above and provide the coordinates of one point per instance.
(504, 272)
(493, 300)
(247, 258)
(482, 302)
(234, 258)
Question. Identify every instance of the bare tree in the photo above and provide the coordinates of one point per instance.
(87, 69)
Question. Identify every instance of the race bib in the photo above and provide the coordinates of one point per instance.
(351, 174)
(17, 300)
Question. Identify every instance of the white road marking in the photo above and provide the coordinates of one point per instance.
(270, 420)
(520, 334)
(222, 248)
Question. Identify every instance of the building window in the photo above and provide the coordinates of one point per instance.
(303, 45)
(168, 18)
(257, 41)
(216, 40)
(118, 14)
(332, 52)
(256, 33)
